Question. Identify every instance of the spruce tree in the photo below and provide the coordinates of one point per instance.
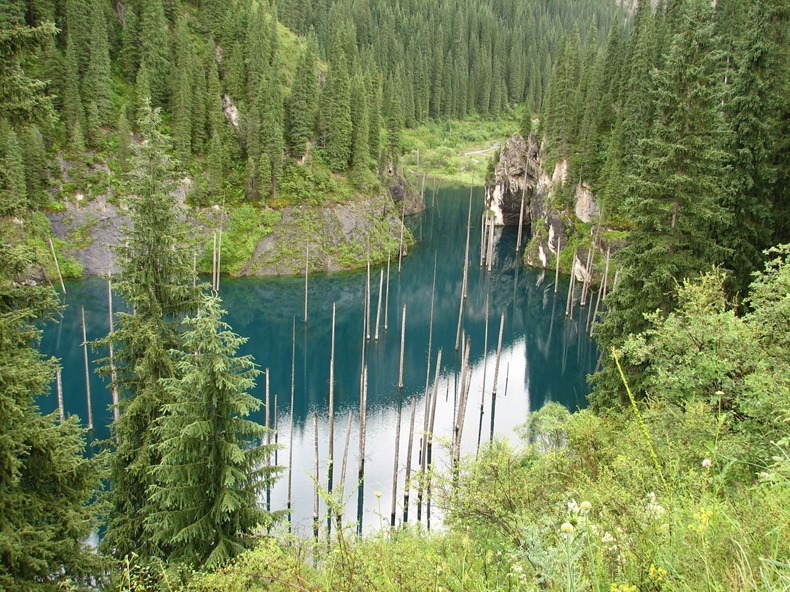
(124, 142)
(183, 92)
(130, 44)
(155, 54)
(374, 115)
(47, 484)
(360, 150)
(22, 97)
(394, 118)
(756, 90)
(336, 112)
(35, 160)
(215, 169)
(156, 282)
(13, 185)
(673, 196)
(301, 104)
(72, 101)
(97, 82)
(213, 466)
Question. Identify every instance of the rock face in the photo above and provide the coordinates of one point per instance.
(405, 197)
(517, 173)
(586, 208)
(520, 170)
(94, 228)
(337, 237)
(337, 234)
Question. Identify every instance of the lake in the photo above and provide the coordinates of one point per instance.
(545, 356)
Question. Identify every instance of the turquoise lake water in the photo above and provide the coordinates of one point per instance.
(545, 356)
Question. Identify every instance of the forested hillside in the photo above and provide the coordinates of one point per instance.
(676, 115)
(246, 100)
(680, 128)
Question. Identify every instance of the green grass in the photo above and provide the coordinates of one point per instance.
(456, 151)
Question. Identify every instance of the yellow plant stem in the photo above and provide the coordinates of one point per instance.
(639, 420)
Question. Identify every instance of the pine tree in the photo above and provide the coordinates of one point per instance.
(155, 50)
(47, 485)
(257, 47)
(269, 108)
(13, 185)
(22, 98)
(156, 281)
(336, 112)
(130, 44)
(124, 142)
(35, 159)
(360, 150)
(673, 196)
(183, 92)
(198, 103)
(213, 467)
(301, 105)
(215, 169)
(374, 115)
(756, 88)
(72, 101)
(635, 95)
(97, 83)
(394, 118)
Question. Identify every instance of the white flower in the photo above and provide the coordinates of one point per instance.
(653, 507)
(566, 528)
(706, 463)
(585, 507)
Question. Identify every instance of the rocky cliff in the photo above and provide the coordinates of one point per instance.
(338, 235)
(548, 221)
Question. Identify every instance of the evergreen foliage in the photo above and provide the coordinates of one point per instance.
(46, 484)
(213, 468)
(302, 103)
(336, 113)
(157, 283)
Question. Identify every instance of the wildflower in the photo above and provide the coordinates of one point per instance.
(378, 494)
(703, 520)
(573, 507)
(657, 574)
(706, 463)
(585, 507)
(653, 507)
(566, 528)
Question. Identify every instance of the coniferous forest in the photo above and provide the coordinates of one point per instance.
(674, 113)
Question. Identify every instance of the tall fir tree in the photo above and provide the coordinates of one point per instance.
(301, 104)
(35, 160)
(183, 91)
(214, 466)
(46, 485)
(97, 84)
(130, 44)
(360, 136)
(13, 184)
(394, 118)
(755, 91)
(156, 282)
(336, 113)
(674, 194)
(155, 54)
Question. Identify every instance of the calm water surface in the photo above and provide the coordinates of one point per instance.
(545, 357)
